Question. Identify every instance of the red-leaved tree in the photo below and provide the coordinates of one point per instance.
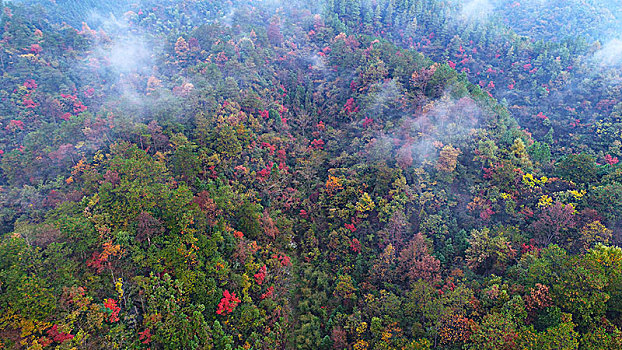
(415, 261)
(228, 302)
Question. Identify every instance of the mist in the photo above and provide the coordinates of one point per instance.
(122, 48)
(476, 9)
(441, 122)
(274, 174)
(610, 55)
(596, 21)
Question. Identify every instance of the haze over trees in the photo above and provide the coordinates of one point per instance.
(344, 174)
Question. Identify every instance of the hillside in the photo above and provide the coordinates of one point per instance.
(347, 175)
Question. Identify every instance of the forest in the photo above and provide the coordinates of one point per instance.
(335, 174)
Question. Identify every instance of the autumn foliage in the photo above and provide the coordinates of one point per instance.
(384, 174)
(228, 302)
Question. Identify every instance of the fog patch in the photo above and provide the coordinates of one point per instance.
(610, 55)
(122, 56)
(476, 10)
(419, 138)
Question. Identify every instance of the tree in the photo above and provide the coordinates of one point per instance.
(384, 267)
(561, 336)
(248, 218)
(448, 159)
(604, 337)
(274, 31)
(593, 233)
(174, 321)
(496, 332)
(228, 302)
(415, 261)
(428, 309)
(554, 223)
(489, 251)
(182, 49)
(576, 285)
(578, 168)
(519, 152)
(607, 200)
(540, 152)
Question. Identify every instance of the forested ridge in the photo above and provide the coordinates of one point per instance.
(389, 174)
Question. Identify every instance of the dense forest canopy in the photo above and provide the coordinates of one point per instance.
(344, 174)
